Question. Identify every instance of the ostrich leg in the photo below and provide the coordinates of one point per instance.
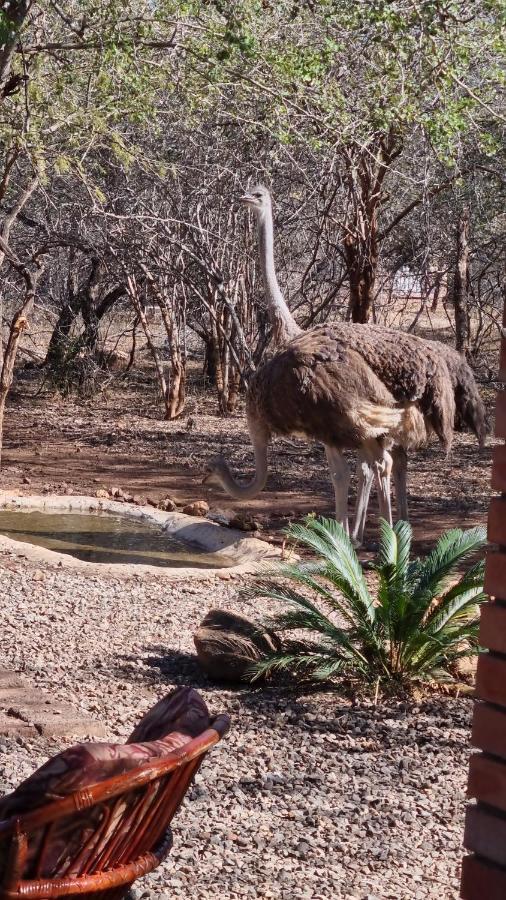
(340, 475)
(400, 477)
(366, 474)
(383, 471)
(365, 479)
(380, 461)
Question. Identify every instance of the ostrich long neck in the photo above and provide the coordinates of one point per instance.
(284, 325)
(241, 491)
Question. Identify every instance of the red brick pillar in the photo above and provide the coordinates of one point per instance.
(484, 870)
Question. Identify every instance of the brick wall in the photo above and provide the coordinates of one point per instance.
(484, 869)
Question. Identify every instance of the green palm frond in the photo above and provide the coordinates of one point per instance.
(300, 620)
(394, 548)
(304, 661)
(453, 547)
(440, 651)
(412, 630)
(313, 577)
(457, 608)
(328, 538)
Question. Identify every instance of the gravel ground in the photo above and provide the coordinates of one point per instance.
(309, 797)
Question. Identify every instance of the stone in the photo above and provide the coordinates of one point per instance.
(227, 644)
(198, 508)
(245, 522)
(28, 711)
(102, 494)
(10, 680)
(167, 504)
(220, 516)
(12, 727)
(122, 496)
(53, 719)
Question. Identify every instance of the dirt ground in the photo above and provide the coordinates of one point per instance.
(121, 440)
(372, 781)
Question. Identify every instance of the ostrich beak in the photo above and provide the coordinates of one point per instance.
(247, 198)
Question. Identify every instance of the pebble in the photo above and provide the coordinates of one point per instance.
(310, 796)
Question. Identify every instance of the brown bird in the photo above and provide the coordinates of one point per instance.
(469, 413)
(348, 386)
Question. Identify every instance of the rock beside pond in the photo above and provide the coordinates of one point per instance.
(221, 516)
(167, 504)
(198, 508)
(227, 644)
(245, 522)
(116, 493)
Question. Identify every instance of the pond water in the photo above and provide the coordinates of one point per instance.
(103, 538)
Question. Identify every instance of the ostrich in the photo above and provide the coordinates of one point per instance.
(348, 386)
(469, 412)
(322, 391)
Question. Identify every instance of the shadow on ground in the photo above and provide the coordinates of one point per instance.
(358, 724)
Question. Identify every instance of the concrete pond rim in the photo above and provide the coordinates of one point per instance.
(241, 554)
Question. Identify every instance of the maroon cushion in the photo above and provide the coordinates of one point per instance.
(182, 711)
(170, 724)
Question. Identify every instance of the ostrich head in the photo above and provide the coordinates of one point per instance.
(258, 199)
(215, 471)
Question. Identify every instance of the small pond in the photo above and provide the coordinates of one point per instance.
(105, 538)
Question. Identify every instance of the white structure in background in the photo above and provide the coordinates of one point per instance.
(407, 283)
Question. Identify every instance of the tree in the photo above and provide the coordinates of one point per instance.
(74, 84)
(128, 134)
(364, 81)
(461, 280)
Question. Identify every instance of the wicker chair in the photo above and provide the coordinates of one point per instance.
(111, 832)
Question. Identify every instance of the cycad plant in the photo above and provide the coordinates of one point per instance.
(419, 619)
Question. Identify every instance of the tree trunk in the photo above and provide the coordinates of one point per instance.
(11, 217)
(209, 367)
(58, 344)
(177, 389)
(233, 389)
(218, 368)
(18, 324)
(177, 384)
(461, 281)
(134, 296)
(13, 14)
(362, 264)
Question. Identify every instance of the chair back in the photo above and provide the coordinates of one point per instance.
(96, 841)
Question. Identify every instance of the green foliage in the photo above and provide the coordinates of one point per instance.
(420, 621)
(348, 72)
(321, 75)
(94, 76)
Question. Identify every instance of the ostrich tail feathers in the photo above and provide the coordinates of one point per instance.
(413, 433)
(379, 419)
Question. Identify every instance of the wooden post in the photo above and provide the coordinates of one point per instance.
(484, 869)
